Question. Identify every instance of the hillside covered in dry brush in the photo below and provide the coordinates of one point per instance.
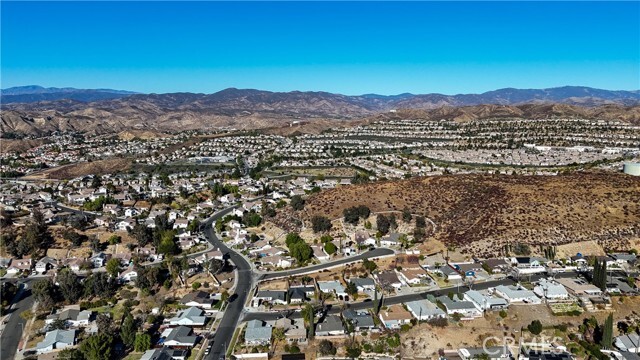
(480, 213)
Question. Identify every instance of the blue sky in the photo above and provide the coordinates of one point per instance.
(349, 48)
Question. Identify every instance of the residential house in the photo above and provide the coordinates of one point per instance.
(363, 284)
(413, 276)
(448, 272)
(180, 337)
(99, 260)
(164, 354)
(257, 333)
(579, 287)
(361, 320)
(124, 258)
(551, 290)
(198, 299)
(300, 294)
(425, 310)
(496, 265)
(628, 343)
(270, 296)
(333, 287)
(319, 253)
(45, 264)
(529, 265)
(362, 238)
(388, 279)
(276, 261)
(126, 224)
(485, 302)
(192, 316)
(180, 224)
(56, 340)
(516, 294)
(128, 275)
(72, 317)
(331, 325)
(466, 309)
(390, 240)
(294, 330)
(20, 265)
(395, 316)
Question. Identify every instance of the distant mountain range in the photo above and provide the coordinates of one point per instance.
(102, 111)
(35, 93)
(231, 98)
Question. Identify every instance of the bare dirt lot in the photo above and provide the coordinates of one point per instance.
(478, 214)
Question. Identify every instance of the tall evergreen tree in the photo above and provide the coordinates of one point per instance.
(607, 333)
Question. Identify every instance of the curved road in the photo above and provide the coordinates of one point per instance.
(245, 280)
(244, 284)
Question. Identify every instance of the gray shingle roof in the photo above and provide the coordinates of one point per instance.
(55, 336)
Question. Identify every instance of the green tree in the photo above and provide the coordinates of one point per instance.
(97, 347)
(69, 354)
(104, 323)
(142, 234)
(297, 202)
(128, 330)
(354, 351)
(301, 251)
(406, 215)
(251, 219)
(115, 239)
(607, 333)
(371, 266)
(351, 288)
(142, 342)
(113, 267)
(535, 327)
(320, 224)
(383, 224)
(326, 348)
(44, 292)
(36, 234)
(167, 244)
(69, 285)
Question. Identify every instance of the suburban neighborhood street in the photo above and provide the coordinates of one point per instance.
(13, 329)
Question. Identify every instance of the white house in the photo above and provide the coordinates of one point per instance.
(515, 294)
(192, 316)
(128, 275)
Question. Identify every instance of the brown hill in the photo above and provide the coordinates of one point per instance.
(480, 213)
(253, 109)
(99, 167)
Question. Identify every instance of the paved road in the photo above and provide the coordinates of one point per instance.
(267, 316)
(15, 326)
(244, 284)
(309, 269)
